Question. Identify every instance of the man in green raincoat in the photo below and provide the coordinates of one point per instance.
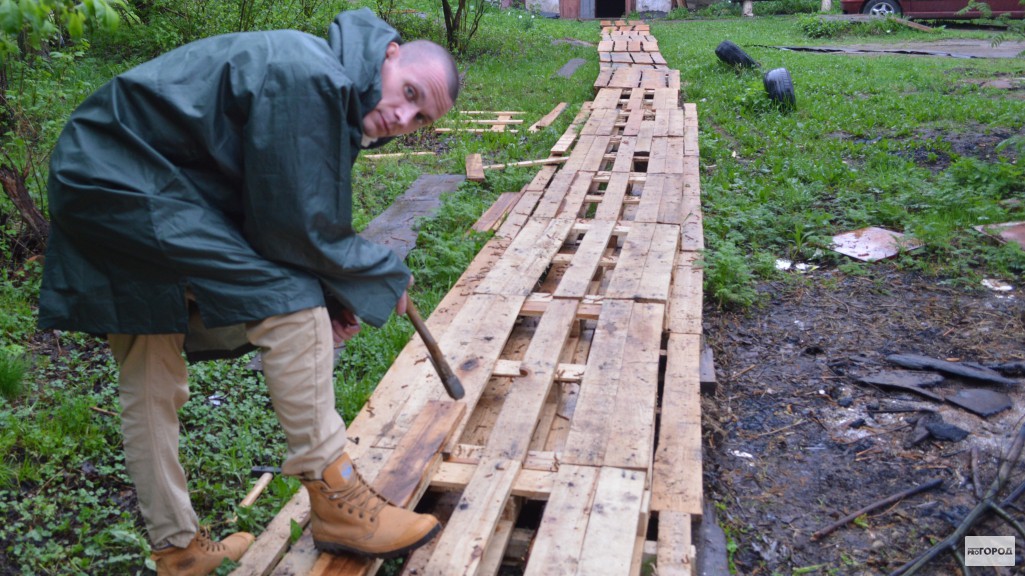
(202, 202)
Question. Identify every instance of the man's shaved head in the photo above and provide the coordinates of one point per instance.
(421, 51)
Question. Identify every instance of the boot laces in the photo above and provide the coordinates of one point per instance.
(359, 495)
(204, 542)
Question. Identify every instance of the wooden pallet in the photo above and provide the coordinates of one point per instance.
(576, 333)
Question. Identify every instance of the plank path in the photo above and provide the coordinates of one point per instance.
(576, 333)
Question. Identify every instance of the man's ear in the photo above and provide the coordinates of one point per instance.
(392, 51)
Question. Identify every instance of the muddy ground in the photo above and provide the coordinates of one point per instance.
(792, 442)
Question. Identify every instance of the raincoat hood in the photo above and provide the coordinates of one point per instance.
(359, 40)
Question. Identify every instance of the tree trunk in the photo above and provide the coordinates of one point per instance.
(827, 5)
(748, 8)
(14, 186)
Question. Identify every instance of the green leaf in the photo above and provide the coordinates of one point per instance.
(296, 531)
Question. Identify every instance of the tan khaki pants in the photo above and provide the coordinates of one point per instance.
(298, 367)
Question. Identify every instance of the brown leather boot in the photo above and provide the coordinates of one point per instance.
(349, 517)
(202, 556)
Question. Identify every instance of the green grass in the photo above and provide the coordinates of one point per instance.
(879, 140)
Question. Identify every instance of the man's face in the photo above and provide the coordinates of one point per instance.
(411, 96)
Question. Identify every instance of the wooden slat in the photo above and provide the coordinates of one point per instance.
(547, 119)
(607, 98)
(462, 544)
(644, 271)
(577, 279)
(675, 555)
(526, 259)
(563, 372)
(493, 216)
(529, 483)
(516, 422)
(551, 201)
(474, 168)
(560, 536)
(676, 481)
(524, 208)
(616, 507)
(471, 344)
(684, 311)
(625, 154)
(611, 207)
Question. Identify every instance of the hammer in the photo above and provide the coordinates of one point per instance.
(452, 384)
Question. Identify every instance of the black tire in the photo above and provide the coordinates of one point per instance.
(882, 8)
(731, 54)
(780, 88)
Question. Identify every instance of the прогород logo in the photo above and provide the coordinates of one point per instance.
(989, 550)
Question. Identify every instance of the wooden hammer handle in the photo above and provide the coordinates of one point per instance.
(448, 378)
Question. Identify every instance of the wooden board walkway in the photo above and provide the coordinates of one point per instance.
(576, 333)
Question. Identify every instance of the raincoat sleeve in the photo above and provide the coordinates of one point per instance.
(302, 136)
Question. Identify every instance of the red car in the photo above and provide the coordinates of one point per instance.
(929, 8)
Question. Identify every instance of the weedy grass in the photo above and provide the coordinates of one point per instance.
(893, 141)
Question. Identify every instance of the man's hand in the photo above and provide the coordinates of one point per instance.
(344, 326)
(400, 307)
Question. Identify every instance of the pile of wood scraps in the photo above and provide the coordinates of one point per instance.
(576, 333)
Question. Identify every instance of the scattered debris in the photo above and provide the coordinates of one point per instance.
(980, 373)
(997, 285)
(527, 163)
(1005, 232)
(943, 431)
(876, 505)
(954, 542)
(902, 378)
(980, 401)
(783, 264)
(870, 244)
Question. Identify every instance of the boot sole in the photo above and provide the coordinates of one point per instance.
(335, 548)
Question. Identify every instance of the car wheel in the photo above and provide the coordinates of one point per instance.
(732, 54)
(882, 8)
(780, 88)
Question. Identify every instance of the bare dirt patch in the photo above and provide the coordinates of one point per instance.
(793, 442)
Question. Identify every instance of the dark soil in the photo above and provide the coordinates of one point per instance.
(793, 442)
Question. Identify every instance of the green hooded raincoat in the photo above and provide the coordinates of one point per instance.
(223, 166)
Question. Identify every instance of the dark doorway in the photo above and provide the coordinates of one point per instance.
(609, 8)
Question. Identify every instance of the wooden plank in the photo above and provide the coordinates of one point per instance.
(466, 536)
(632, 427)
(560, 536)
(675, 555)
(547, 119)
(397, 227)
(625, 153)
(563, 372)
(644, 270)
(523, 404)
(577, 279)
(607, 98)
(589, 430)
(526, 259)
(616, 507)
(676, 481)
(531, 484)
(690, 134)
(605, 46)
(663, 200)
(491, 563)
(537, 303)
(526, 163)
(523, 209)
(622, 57)
(549, 205)
(633, 122)
(644, 138)
(471, 343)
(273, 542)
(493, 216)
(611, 207)
(474, 168)
(685, 300)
